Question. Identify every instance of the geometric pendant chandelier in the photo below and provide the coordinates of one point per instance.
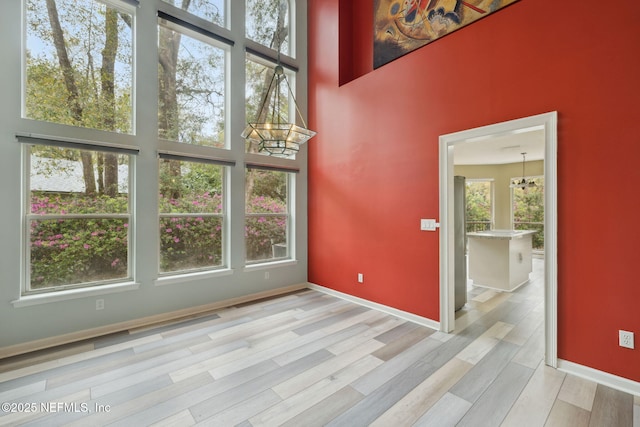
(271, 133)
(276, 136)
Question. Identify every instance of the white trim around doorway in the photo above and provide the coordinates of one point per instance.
(548, 122)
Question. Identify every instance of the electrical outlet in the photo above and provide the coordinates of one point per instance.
(100, 304)
(266, 275)
(360, 278)
(626, 339)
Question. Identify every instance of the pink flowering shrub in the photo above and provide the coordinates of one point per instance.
(262, 232)
(80, 250)
(190, 242)
(194, 239)
(77, 250)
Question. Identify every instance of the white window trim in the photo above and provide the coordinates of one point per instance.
(185, 277)
(25, 289)
(289, 214)
(270, 264)
(115, 140)
(70, 294)
(213, 271)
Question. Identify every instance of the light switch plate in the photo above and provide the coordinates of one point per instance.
(428, 224)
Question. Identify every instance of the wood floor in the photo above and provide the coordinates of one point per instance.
(309, 359)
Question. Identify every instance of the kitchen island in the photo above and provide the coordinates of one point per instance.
(500, 259)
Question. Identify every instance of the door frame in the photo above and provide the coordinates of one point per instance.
(548, 122)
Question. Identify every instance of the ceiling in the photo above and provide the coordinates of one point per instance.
(501, 149)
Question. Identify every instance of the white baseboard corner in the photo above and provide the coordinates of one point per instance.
(380, 307)
(22, 348)
(600, 377)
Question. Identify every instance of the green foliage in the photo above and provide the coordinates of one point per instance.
(263, 231)
(262, 22)
(84, 249)
(528, 211)
(211, 10)
(192, 91)
(528, 203)
(266, 220)
(47, 95)
(191, 242)
(478, 197)
(77, 250)
(43, 203)
(273, 187)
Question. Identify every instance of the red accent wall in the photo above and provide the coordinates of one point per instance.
(373, 168)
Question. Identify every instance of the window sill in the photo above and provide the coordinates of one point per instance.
(69, 294)
(270, 264)
(190, 277)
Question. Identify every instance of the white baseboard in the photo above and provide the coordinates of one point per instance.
(380, 307)
(604, 378)
(48, 342)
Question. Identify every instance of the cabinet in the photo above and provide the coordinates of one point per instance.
(500, 259)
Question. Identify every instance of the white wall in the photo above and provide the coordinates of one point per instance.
(20, 325)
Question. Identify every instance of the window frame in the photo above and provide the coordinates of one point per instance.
(186, 27)
(290, 174)
(491, 182)
(145, 133)
(291, 36)
(124, 6)
(203, 22)
(226, 166)
(512, 196)
(27, 142)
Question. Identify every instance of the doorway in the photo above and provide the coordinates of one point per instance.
(547, 122)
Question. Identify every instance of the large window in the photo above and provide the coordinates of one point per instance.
(192, 226)
(78, 64)
(214, 11)
(267, 222)
(78, 219)
(528, 210)
(479, 206)
(268, 23)
(192, 87)
(96, 74)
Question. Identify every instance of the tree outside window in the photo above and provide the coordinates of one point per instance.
(79, 72)
(191, 80)
(479, 208)
(79, 58)
(267, 23)
(267, 216)
(76, 236)
(211, 10)
(191, 216)
(528, 210)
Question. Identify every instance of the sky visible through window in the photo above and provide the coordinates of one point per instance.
(211, 10)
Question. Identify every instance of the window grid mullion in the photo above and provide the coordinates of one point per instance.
(43, 217)
(191, 215)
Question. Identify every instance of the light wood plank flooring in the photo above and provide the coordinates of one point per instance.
(309, 359)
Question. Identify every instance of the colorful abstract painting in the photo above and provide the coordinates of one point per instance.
(404, 25)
